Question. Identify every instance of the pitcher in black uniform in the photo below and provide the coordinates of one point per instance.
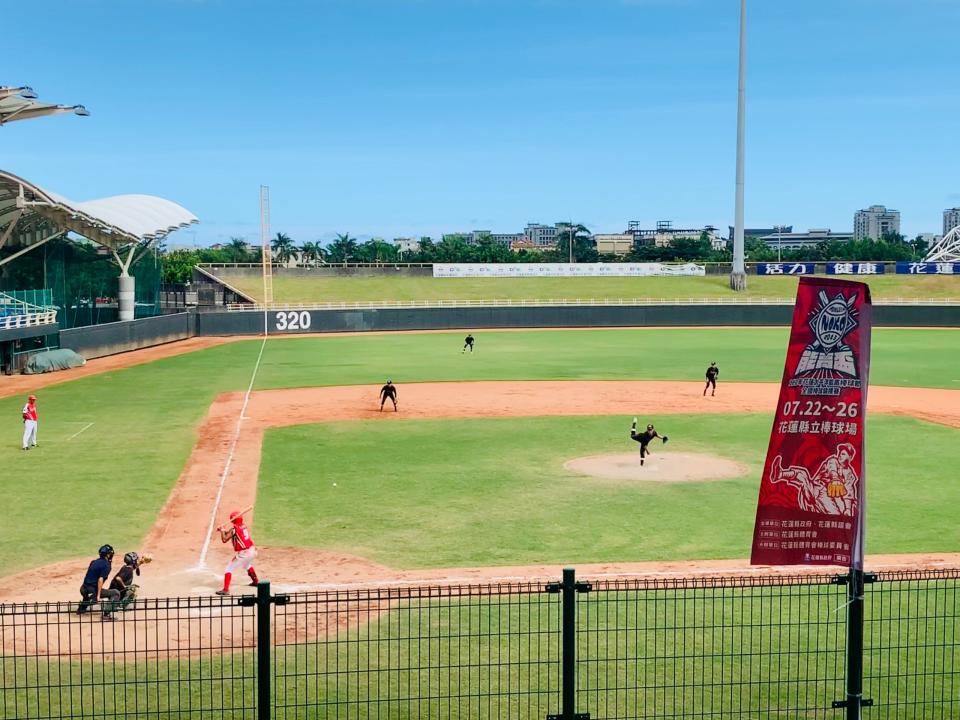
(644, 438)
(388, 391)
(712, 373)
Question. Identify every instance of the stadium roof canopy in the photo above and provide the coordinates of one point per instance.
(30, 215)
(20, 103)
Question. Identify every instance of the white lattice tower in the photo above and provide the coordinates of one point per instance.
(266, 256)
(947, 249)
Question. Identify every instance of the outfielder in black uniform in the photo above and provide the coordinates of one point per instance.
(644, 438)
(388, 391)
(712, 373)
(467, 343)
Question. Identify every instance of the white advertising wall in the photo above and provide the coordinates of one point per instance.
(473, 270)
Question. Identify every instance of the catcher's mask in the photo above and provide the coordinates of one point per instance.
(131, 558)
(649, 427)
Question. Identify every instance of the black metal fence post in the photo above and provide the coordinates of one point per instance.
(568, 664)
(854, 700)
(569, 635)
(264, 642)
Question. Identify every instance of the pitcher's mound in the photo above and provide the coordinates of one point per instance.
(662, 467)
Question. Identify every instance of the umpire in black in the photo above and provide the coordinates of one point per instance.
(92, 588)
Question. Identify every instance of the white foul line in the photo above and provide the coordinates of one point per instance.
(202, 561)
(85, 427)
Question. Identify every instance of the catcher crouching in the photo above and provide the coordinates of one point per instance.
(123, 581)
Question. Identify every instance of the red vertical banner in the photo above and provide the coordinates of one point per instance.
(811, 505)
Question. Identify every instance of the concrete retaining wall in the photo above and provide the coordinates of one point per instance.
(111, 338)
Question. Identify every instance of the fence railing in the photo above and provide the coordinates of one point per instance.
(557, 302)
(17, 311)
(717, 647)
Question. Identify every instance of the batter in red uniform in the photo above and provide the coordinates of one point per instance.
(243, 546)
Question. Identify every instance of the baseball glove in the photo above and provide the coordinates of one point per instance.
(665, 439)
(146, 558)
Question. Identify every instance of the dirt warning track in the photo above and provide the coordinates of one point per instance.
(179, 533)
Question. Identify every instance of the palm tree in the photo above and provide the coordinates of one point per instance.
(573, 243)
(283, 248)
(238, 248)
(342, 249)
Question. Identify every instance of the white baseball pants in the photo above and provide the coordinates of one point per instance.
(243, 560)
(29, 433)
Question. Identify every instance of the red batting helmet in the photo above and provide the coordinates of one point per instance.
(236, 517)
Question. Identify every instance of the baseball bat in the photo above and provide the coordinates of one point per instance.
(227, 524)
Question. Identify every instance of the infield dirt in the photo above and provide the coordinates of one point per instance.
(180, 531)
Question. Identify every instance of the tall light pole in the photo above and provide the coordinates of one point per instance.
(738, 277)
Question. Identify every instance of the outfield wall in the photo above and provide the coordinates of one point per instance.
(95, 341)
(99, 340)
(393, 319)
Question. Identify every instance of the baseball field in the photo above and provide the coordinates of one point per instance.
(479, 451)
(503, 464)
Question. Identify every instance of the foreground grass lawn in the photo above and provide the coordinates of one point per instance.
(107, 483)
(356, 289)
(494, 492)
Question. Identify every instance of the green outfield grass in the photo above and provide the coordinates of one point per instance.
(356, 289)
(108, 483)
(456, 493)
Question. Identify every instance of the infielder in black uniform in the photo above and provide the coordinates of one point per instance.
(712, 373)
(388, 391)
(467, 343)
(644, 438)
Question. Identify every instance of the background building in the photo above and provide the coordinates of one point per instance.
(406, 244)
(810, 238)
(951, 218)
(875, 222)
(761, 232)
(664, 235)
(542, 236)
(614, 243)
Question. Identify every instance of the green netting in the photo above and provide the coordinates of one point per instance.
(80, 279)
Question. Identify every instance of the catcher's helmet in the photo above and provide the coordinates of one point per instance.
(131, 558)
(650, 427)
(106, 550)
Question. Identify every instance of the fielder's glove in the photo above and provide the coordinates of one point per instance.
(665, 439)
(145, 558)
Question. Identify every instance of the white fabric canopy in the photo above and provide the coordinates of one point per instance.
(113, 221)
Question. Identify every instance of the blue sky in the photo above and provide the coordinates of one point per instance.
(411, 117)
